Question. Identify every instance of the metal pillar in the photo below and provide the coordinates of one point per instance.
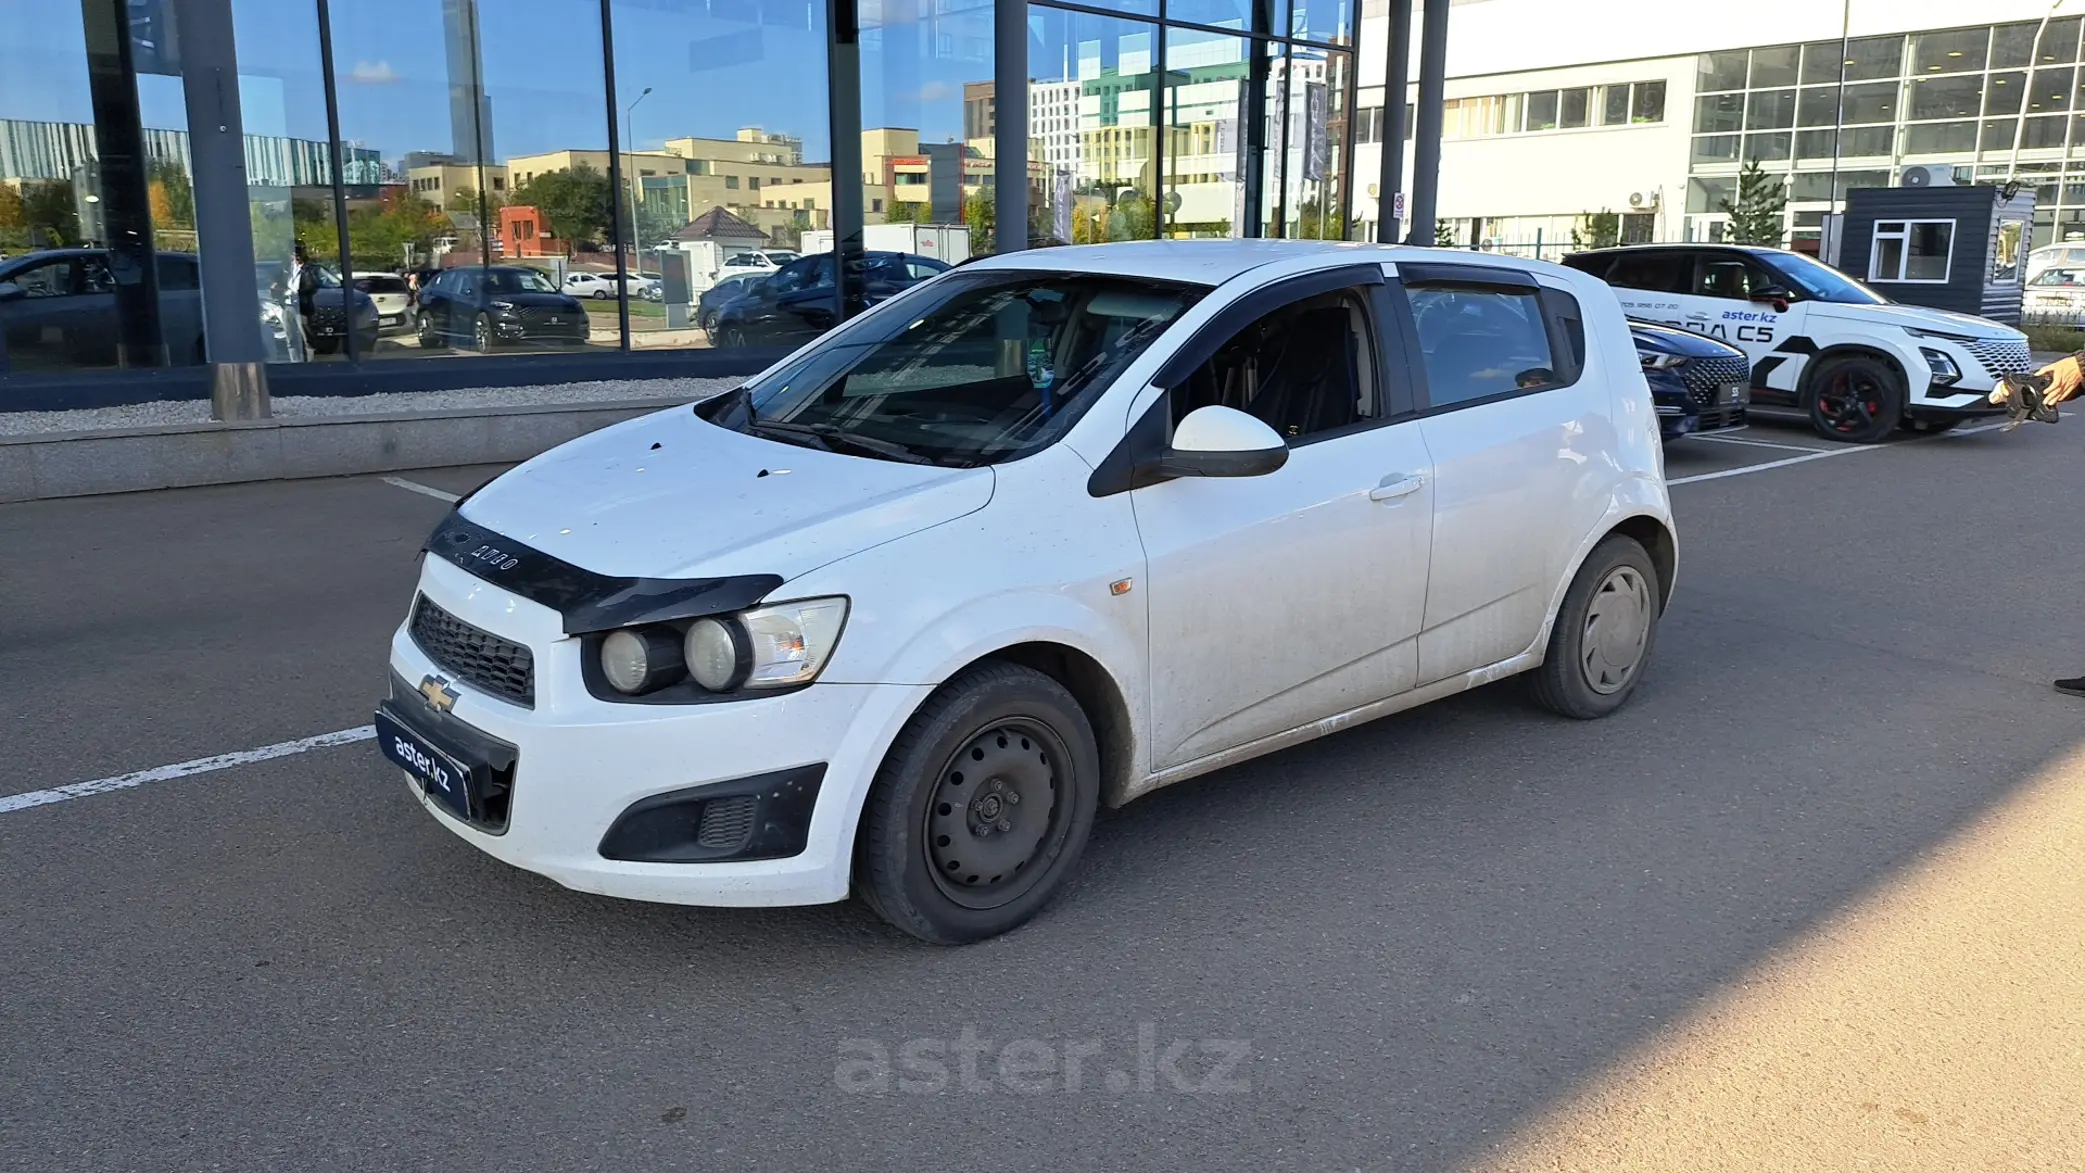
(124, 198)
(1391, 133)
(223, 217)
(1010, 133)
(1426, 137)
(843, 68)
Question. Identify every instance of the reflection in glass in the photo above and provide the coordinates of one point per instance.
(1311, 159)
(726, 156)
(1868, 58)
(1945, 97)
(2002, 94)
(1719, 113)
(1649, 103)
(489, 162)
(1770, 109)
(1871, 103)
(1767, 147)
(1953, 51)
(1614, 105)
(1542, 110)
(1573, 109)
(1715, 148)
(1102, 172)
(1325, 22)
(1208, 80)
(2013, 45)
(1775, 67)
(1821, 61)
(1928, 138)
(930, 112)
(1721, 71)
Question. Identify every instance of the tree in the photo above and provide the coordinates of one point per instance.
(906, 212)
(575, 202)
(980, 214)
(1756, 216)
(172, 195)
(1601, 229)
(51, 214)
(1310, 220)
(378, 236)
(1443, 236)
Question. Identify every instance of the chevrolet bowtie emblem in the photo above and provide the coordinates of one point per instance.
(439, 696)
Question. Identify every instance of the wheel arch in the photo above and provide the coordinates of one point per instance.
(1887, 357)
(1098, 693)
(1659, 542)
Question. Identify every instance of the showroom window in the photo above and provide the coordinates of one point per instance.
(1912, 251)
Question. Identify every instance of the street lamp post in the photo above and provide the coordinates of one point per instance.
(2034, 58)
(630, 168)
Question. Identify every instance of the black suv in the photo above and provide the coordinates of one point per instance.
(498, 305)
(1697, 384)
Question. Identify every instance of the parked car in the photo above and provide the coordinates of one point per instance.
(795, 305)
(1051, 531)
(601, 286)
(716, 297)
(58, 309)
(760, 262)
(498, 305)
(2055, 297)
(1697, 384)
(1853, 362)
(331, 307)
(393, 299)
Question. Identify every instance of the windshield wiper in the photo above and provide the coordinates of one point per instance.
(832, 438)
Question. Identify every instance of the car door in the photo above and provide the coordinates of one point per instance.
(803, 309)
(1280, 600)
(1725, 302)
(43, 321)
(1516, 437)
(1650, 283)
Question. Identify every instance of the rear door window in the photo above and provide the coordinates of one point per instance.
(1482, 343)
(1305, 369)
(1661, 270)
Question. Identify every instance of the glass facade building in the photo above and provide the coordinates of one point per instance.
(402, 155)
(1986, 102)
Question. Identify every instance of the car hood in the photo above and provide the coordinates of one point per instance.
(554, 301)
(1913, 318)
(1673, 340)
(669, 495)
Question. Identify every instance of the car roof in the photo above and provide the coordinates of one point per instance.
(1213, 262)
(1690, 245)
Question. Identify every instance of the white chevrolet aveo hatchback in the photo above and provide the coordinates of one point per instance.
(1047, 532)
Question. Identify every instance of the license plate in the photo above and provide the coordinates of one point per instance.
(391, 319)
(441, 776)
(1733, 392)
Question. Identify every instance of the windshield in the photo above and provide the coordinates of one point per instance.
(518, 281)
(2060, 277)
(982, 368)
(380, 284)
(1821, 282)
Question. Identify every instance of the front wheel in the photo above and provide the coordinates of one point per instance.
(600, 295)
(732, 337)
(1854, 398)
(430, 337)
(483, 337)
(1603, 633)
(981, 807)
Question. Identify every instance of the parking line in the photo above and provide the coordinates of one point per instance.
(1738, 472)
(10, 803)
(417, 487)
(1751, 443)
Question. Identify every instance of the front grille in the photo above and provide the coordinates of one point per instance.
(536, 319)
(1711, 419)
(2001, 356)
(1705, 377)
(473, 655)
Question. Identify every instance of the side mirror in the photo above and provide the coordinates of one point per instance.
(1773, 293)
(9, 291)
(1223, 442)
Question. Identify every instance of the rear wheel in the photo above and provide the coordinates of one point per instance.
(1854, 398)
(981, 808)
(732, 336)
(1603, 633)
(482, 336)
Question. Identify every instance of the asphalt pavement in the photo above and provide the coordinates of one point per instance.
(1468, 937)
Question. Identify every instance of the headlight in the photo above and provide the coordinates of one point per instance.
(766, 647)
(1658, 360)
(1942, 367)
(641, 659)
(1943, 335)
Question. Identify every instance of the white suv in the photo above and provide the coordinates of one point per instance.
(1049, 531)
(1855, 363)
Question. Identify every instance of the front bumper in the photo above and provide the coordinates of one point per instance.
(580, 763)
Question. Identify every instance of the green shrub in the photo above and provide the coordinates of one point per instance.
(2063, 339)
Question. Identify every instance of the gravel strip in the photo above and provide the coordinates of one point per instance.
(196, 411)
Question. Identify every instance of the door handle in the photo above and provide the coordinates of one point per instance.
(1394, 487)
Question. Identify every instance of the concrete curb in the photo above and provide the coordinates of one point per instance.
(78, 464)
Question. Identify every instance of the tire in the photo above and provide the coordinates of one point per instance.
(325, 346)
(483, 338)
(430, 338)
(1929, 427)
(1603, 635)
(732, 337)
(1039, 758)
(1854, 398)
(600, 295)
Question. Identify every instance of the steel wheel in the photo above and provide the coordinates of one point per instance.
(994, 807)
(1617, 624)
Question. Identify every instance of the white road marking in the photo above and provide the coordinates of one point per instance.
(1738, 472)
(417, 487)
(10, 803)
(1972, 431)
(1720, 438)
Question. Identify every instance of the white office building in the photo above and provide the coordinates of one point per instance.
(1555, 110)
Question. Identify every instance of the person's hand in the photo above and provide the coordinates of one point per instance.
(2066, 378)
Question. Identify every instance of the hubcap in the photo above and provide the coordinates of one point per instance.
(1616, 625)
(994, 810)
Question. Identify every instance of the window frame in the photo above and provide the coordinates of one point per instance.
(1904, 234)
(1484, 278)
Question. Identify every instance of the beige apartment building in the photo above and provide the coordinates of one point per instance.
(439, 182)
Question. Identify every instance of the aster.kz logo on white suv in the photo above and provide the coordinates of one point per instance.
(1858, 364)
